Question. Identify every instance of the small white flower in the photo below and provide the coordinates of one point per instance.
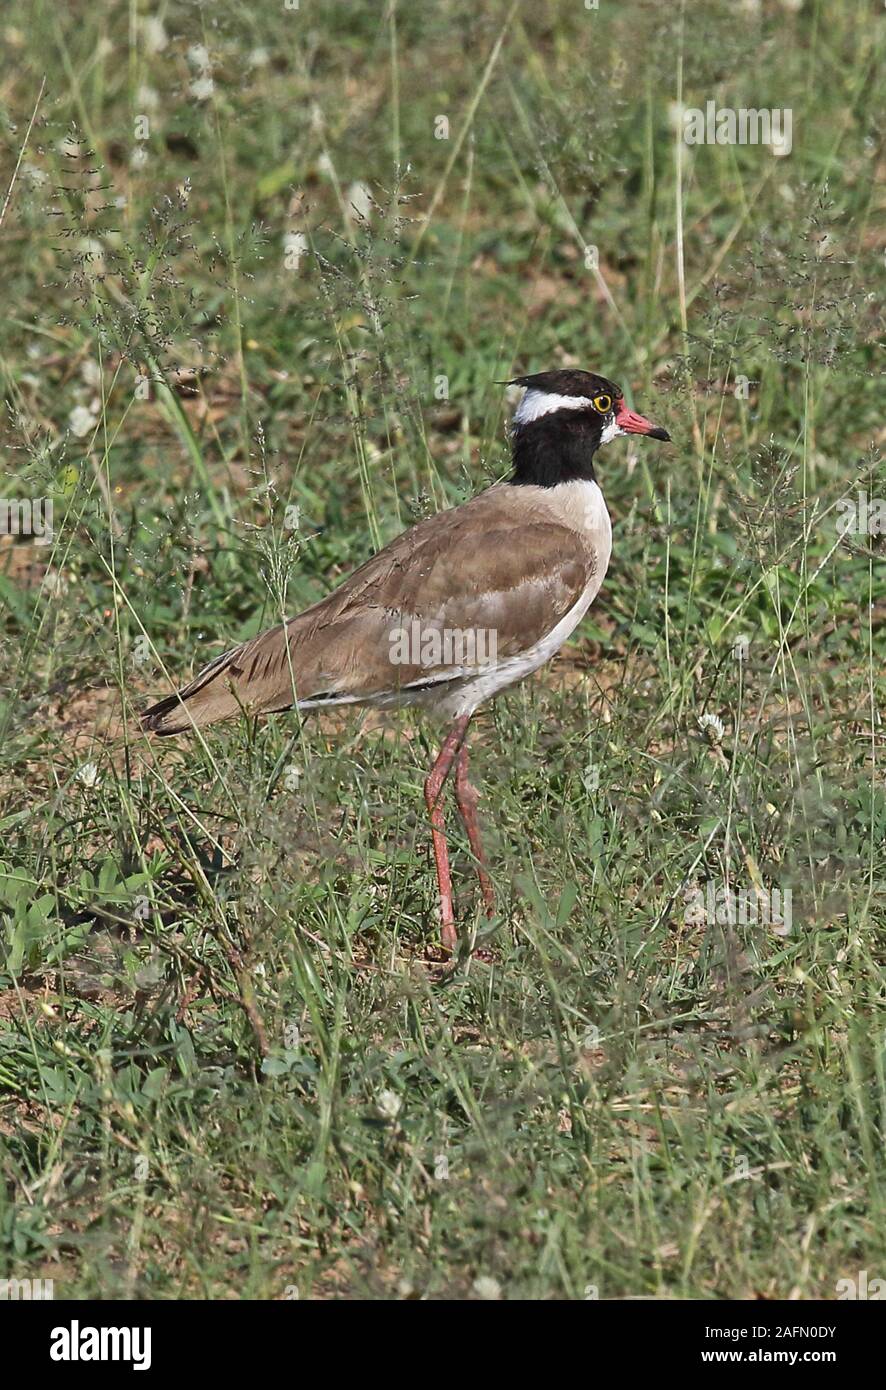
(91, 257)
(153, 34)
(487, 1288)
(359, 201)
(55, 584)
(202, 88)
(88, 774)
(259, 58)
(713, 726)
(389, 1105)
(198, 57)
(37, 176)
(139, 157)
(81, 421)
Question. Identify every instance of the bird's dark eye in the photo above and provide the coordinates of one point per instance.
(602, 403)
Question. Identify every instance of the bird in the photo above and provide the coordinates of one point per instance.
(455, 609)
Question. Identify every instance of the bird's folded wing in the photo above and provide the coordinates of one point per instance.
(427, 608)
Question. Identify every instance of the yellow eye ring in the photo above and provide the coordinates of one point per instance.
(602, 403)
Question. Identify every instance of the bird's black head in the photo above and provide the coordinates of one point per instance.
(561, 422)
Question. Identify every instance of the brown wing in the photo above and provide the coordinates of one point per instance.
(489, 566)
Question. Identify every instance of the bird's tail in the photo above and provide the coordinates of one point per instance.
(209, 696)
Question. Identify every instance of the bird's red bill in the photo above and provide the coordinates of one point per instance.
(632, 423)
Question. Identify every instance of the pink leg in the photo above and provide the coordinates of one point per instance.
(467, 797)
(433, 789)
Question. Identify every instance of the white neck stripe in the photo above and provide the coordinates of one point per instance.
(537, 403)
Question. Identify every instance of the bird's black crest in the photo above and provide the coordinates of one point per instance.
(569, 382)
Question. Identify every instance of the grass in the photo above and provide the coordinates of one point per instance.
(227, 1068)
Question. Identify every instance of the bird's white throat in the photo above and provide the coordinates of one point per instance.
(611, 431)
